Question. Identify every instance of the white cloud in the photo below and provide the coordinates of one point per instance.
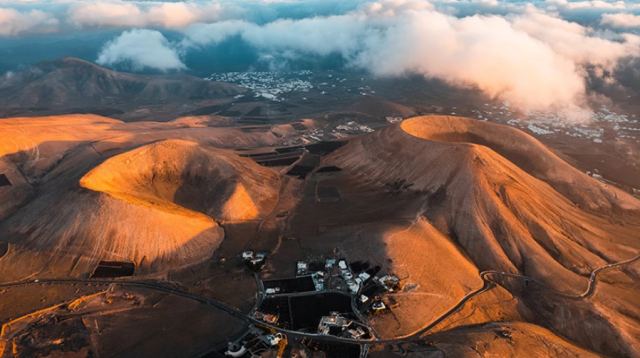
(590, 4)
(483, 52)
(140, 49)
(320, 35)
(101, 13)
(117, 13)
(534, 60)
(179, 14)
(621, 20)
(524, 52)
(574, 41)
(214, 33)
(14, 22)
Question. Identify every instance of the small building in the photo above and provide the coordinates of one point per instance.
(364, 276)
(354, 286)
(254, 260)
(272, 290)
(390, 283)
(356, 333)
(318, 280)
(363, 299)
(272, 339)
(257, 261)
(301, 268)
(342, 264)
(378, 305)
(333, 324)
(329, 263)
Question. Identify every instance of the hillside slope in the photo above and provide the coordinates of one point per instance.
(90, 188)
(72, 85)
(177, 173)
(513, 206)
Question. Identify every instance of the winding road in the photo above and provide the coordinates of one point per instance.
(588, 292)
(489, 282)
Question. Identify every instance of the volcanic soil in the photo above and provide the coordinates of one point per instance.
(469, 214)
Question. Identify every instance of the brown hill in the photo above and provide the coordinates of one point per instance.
(377, 106)
(90, 188)
(175, 173)
(515, 339)
(528, 154)
(435, 200)
(71, 85)
(510, 205)
(498, 212)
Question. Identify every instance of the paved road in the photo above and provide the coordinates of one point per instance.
(588, 291)
(485, 275)
(180, 293)
(593, 277)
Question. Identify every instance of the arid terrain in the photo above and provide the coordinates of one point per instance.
(319, 178)
(72, 85)
(500, 246)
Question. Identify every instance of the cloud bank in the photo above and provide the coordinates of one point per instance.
(623, 21)
(173, 14)
(14, 22)
(536, 55)
(534, 60)
(141, 49)
(129, 14)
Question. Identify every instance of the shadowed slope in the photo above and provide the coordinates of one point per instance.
(527, 153)
(155, 205)
(510, 218)
(504, 217)
(515, 339)
(72, 85)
